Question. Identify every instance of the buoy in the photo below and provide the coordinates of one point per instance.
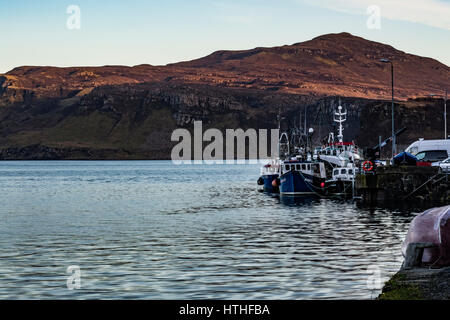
(322, 185)
(275, 182)
(367, 166)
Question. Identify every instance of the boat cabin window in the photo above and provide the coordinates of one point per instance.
(350, 171)
(316, 168)
(343, 171)
(309, 167)
(303, 167)
(297, 167)
(334, 153)
(336, 172)
(287, 167)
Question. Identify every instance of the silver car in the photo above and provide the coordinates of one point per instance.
(444, 164)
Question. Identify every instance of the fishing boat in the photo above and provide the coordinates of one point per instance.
(302, 177)
(341, 182)
(289, 143)
(294, 172)
(341, 159)
(270, 173)
(302, 170)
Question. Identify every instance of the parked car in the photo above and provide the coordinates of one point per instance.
(445, 165)
(435, 150)
(432, 155)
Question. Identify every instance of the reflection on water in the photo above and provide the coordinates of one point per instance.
(152, 230)
(298, 201)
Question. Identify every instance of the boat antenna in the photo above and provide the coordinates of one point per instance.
(342, 117)
(279, 117)
(305, 121)
(279, 129)
(300, 122)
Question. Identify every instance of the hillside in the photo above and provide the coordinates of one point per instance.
(333, 64)
(119, 112)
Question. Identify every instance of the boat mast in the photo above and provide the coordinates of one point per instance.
(342, 117)
(304, 129)
(279, 128)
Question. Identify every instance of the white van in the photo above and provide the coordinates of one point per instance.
(430, 150)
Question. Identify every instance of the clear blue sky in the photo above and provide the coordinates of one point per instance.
(131, 32)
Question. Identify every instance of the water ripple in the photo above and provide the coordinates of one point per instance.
(151, 230)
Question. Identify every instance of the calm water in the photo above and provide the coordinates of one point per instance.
(152, 230)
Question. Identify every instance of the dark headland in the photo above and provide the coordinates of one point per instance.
(119, 112)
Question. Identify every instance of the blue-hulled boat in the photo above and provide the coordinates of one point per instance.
(302, 170)
(269, 178)
(295, 171)
(302, 177)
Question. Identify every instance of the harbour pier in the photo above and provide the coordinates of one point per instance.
(387, 184)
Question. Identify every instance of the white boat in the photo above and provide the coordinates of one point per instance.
(342, 158)
(339, 153)
(341, 182)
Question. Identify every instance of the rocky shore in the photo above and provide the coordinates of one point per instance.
(418, 284)
(425, 272)
(136, 121)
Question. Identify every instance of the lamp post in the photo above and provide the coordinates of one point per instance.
(445, 112)
(394, 145)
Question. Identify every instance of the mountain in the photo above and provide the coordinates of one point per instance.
(120, 112)
(333, 64)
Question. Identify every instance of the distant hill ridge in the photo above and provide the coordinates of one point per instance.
(331, 64)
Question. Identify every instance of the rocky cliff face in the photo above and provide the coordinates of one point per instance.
(136, 121)
(117, 112)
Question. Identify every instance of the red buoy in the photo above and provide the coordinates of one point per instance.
(367, 166)
(276, 183)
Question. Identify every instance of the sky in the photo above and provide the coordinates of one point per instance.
(133, 32)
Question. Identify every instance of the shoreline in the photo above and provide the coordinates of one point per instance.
(418, 284)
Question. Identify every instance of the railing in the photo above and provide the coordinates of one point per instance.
(444, 176)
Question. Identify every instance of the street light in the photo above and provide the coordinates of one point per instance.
(445, 114)
(445, 111)
(394, 146)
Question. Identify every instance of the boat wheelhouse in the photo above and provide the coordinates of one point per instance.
(341, 182)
